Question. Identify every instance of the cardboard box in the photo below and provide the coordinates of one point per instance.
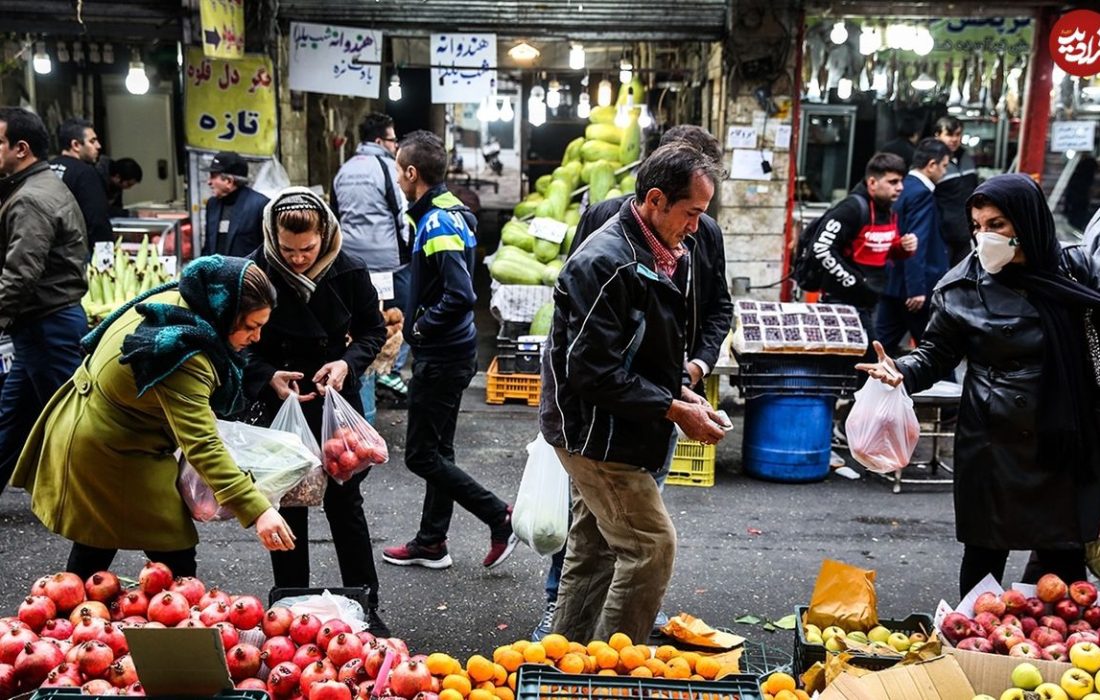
(992, 673)
(938, 679)
(179, 661)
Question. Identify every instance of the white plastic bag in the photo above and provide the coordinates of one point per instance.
(310, 491)
(540, 517)
(327, 606)
(882, 427)
(351, 443)
(276, 460)
(271, 178)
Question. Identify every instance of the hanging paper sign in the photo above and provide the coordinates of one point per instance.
(463, 67)
(222, 28)
(1072, 136)
(548, 229)
(229, 105)
(335, 60)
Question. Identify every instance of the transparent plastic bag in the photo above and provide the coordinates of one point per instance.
(275, 460)
(882, 427)
(310, 491)
(540, 517)
(351, 443)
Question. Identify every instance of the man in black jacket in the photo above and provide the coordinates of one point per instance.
(235, 214)
(954, 189)
(613, 389)
(76, 168)
(43, 254)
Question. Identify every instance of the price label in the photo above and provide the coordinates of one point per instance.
(168, 262)
(383, 284)
(548, 229)
(103, 255)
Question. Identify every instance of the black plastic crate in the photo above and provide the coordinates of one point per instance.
(72, 693)
(806, 654)
(539, 682)
(510, 330)
(797, 374)
(359, 595)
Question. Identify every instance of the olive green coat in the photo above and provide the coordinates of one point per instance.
(100, 461)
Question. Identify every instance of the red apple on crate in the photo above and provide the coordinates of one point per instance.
(1056, 652)
(1083, 593)
(1029, 625)
(1051, 588)
(1005, 637)
(1055, 623)
(990, 603)
(1045, 636)
(1015, 602)
(1036, 608)
(1026, 650)
(1091, 615)
(988, 622)
(1067, 610)
(976, 644)
(956, 627)
(1078, 637)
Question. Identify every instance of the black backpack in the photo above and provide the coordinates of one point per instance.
(806, 271)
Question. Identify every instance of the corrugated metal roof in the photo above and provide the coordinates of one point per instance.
(114, 19)
(698, 20)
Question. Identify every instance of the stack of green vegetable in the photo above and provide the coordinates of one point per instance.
(128, 278)
(590, 160)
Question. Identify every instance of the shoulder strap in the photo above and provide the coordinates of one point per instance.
(866, 209)
(403, 252)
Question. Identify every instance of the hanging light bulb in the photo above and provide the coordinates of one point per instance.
(839, 34)
(41, 61)
(908, 39)
(137, 82)
(492, 109)
(894, 36)
(844, 88)
(622, 114)
(507, 114)
(553, 95)
(869, 40)
(584, 106)
(626, 71)
(603, 93)
(644, 120)
(923, 82)
(395, 87)
(576, 57)
(536, 108)
(924, 43)
(482, 112)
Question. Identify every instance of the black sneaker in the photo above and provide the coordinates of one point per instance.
(416, 554)
(546, 624)
(375, 625)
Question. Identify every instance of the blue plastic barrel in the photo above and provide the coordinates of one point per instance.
(787, 438)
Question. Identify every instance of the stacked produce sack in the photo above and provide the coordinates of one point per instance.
(592, 160)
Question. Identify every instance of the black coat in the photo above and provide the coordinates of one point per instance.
(1007, 496)
(246, 227)
(302, 337)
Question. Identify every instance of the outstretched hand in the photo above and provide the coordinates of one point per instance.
(884, 370)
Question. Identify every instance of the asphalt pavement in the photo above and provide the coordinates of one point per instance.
(745, 546)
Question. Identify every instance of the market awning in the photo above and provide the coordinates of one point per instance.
(640, 20)
(116, 19)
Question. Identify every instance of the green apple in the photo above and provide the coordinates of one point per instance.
(1051, 691)
(1026, 676)
(830, 632)
(879, 634)
(899, 640)
(1013, 694)
(1077, 683)
(1086, 656)
(835, 643)
(814, 638)
(858, 637)
(811, 629)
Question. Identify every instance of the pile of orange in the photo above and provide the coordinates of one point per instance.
(781, 686)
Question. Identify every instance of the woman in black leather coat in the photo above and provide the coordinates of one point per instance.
(1019, 309)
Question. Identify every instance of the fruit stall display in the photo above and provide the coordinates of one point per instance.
(126, 278)
(600, 161)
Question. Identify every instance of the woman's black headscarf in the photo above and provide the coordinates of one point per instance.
(1068, 388)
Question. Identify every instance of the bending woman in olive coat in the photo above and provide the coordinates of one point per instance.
(1021, 311)
(100, 461)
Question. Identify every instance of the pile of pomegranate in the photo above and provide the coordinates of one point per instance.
(68, 633)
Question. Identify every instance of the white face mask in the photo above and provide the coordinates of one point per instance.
(995, 251)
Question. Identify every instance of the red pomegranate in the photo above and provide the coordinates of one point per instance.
(97, 686)
(7, 681)
(59, 678)
(122, 673)
(214, 613)
(89, 608)
(353, 672)
(13, 642)
(135, 689)
(87, 629)
(230, 636)
(343, 648)
(304, 629)
(277, 650)
(102, 586)
(277, 622)
(94, 658)
(133, 603)
(154, 578)
(251, 684)
(213, 595)
(114, 638)
(169, 609)
(39, 586)
(58, 629)
(409, 678)
(192, 623)
(246, 612)
(399, 647)
(373, 656)
(36, 610)
(307, 654)
(316, 673)
(35, 662)
(329, 630)
(66, 590)
(283, 681)
(329, 690)
(190, 588)
(243, 661)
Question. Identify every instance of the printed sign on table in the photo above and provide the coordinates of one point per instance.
(463, 67)
(229, 105)
(335, 60)
(222, 28)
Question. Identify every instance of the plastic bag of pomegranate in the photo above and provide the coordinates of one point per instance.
(351, 444)
(310, 491)
(882, 428)
(199, 497)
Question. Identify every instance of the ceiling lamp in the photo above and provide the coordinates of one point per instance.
(487, 111)
(923, 43)
(41, 61)
(894, 35)
(553, 95)
(523, 52)
(576, 57)
(584, 106)
(644, 120)
(869, 40)
(839, 34)
(844, 88)
(923, 82)
(603, 93)
(137, 82)
(536, 108)
(395, 87)
(626, 71)
(507, 114)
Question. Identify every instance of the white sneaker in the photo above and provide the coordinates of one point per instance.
(847, 473)
(835, 460)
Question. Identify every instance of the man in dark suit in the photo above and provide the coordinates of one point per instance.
(234, 215)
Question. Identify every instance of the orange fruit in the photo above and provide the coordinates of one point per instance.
(777, 682)
(556, 646)
(666, 652)
(691, 657)
(460, 684)
(630, 658)
(594, 646)
(571, 663)
(504, 694)
(640, 672)
(606, 657)
(450, 694)
(487, 685)
(479, 668)
(509, 658)
(480, 694)
(786, 695)
(707, 667)
(577, 648)
(678, 668)
(657, 667)
(535, 653)
(644, 650)
(441, 664)
(619, 640)
(500, 674)
(512, 681)
(696, 677)
(589, 663)
(607, 672)
(521, 644)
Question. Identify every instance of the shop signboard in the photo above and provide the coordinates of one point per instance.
(463, 67)
(222, 28)
(229, 105)
(1072, 136)
(335, 60)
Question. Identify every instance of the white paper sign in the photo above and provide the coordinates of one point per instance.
(335, 60)
(103, 255)
(548, 229)
(463, 67)
(383, 284)
(741, 137)
(746, 164)
(168, 262)
(1072, 136)
(783, 137)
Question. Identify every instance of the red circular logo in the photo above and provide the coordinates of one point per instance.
(1075, 43)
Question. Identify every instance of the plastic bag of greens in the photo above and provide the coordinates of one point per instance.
(351, 443)
(540, 517)
(310, 491)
